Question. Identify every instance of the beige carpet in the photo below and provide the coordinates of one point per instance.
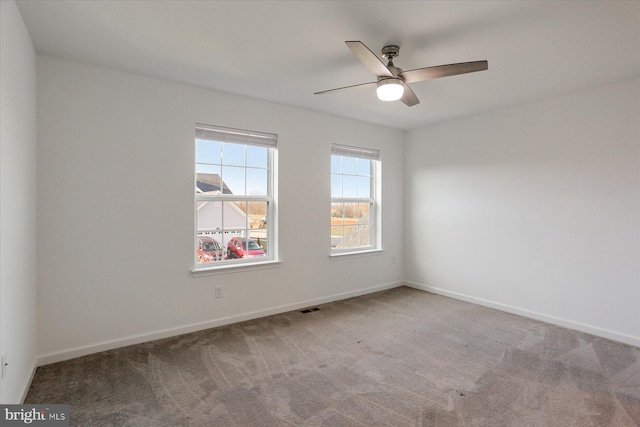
(402, 357)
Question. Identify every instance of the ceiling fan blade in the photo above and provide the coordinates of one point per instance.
(436, 72)
(408, 97)
(344, 88)
(369, 59)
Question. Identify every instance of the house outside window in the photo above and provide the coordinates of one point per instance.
(355, 199)
(234, 196)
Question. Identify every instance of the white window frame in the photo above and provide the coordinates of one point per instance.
(374, 200)
(245, 137)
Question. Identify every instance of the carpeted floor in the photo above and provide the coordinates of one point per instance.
(401, 357)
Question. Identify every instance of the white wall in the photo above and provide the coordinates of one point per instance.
(115, 211)
(534, 209)
(17, 203)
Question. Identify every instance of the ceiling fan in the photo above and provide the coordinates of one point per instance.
(392, 82)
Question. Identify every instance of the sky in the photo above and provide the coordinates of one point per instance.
(229, 161)
(350, 176)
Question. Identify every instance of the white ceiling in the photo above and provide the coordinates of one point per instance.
(284, 51)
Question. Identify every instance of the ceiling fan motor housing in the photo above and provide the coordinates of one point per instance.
(390, 52)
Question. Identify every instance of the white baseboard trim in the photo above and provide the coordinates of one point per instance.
(28, 381)
(72, 353)
(594, 330)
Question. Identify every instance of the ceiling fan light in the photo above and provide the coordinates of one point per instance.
(390, 89)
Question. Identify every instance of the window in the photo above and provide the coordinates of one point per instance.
(354, 199)
(234, 203)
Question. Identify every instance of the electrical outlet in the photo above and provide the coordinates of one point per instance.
(218, 292)
(393, 260)
(5, 364)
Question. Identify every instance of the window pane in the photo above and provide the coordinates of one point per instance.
(336, 162)
(364, 167)
(337, 214)
(350, 213)
(364, 186)
(350, 224)
(209, 216)
(364, 235)
(235, 218)
(349, 165)
(207, 151)
(363, 213)
(260, 237)
(209, 182)
(349, 186)
(257, 181)
(337, 223)
(356, 237)
(257, 156)
(233, 154)
(336, 185)
(242, 209)
(257, 212)
(210, 169)
(258, 221)
(233, 177)
(235, 222)
(350, 239)
(208, 248)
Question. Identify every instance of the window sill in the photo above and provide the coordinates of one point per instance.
(343, 255)
(224, 269)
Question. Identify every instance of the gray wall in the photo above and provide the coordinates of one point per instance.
(115, 213)
(17, 203)
(534, 209)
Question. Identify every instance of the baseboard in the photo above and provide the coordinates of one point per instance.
(27, 386)
(594, 330)
(72, 353)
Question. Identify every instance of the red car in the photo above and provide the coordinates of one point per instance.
(241, 247)
(209, 249)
